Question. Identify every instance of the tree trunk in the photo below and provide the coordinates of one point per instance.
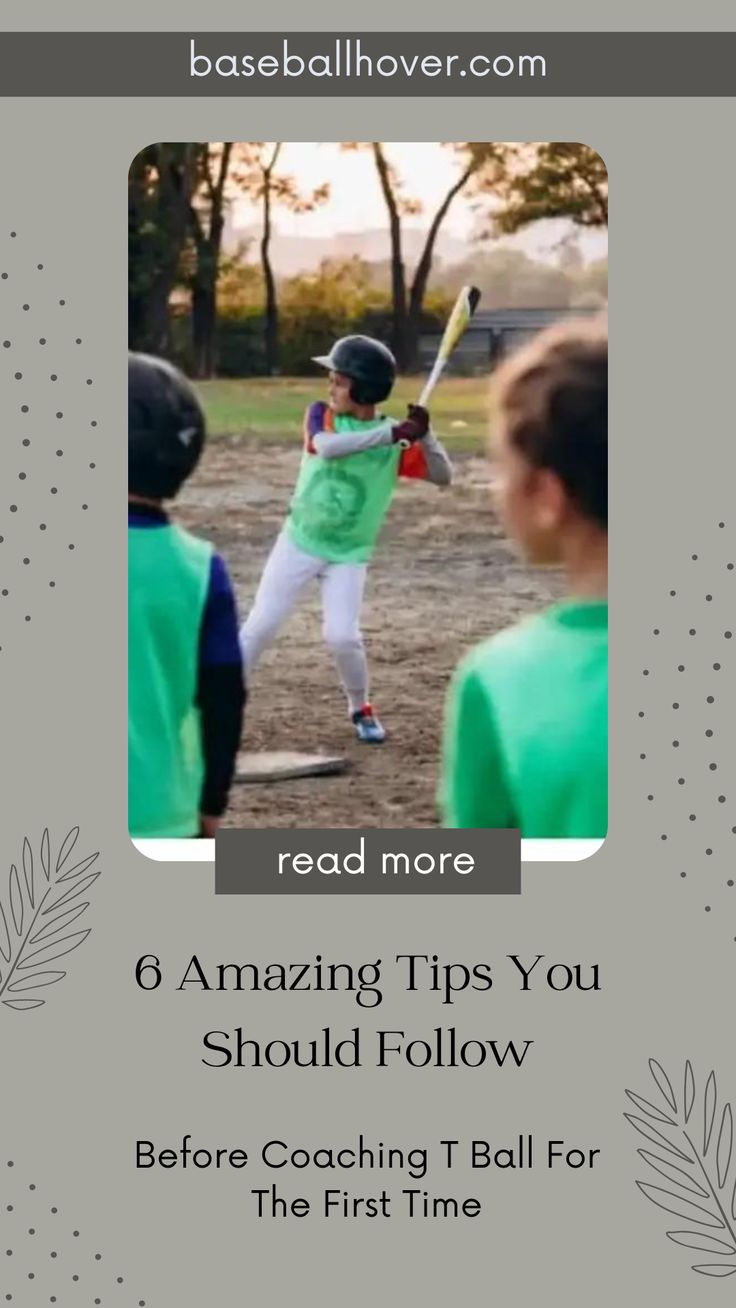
(204, 285)
(204, 324)
(155, 329)
(204, 296)
(176, 178)
(138, 252)
(423, 270)
(398, 277)
(178, 166)
(271, 325)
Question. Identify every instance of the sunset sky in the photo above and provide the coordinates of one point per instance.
(356, 202)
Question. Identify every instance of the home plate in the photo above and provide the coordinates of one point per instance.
(285, 765)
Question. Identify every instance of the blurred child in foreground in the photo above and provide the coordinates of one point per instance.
(526, 731)
(185, 672)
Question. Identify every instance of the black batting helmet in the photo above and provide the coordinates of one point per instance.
(369, 364)
(166, 428)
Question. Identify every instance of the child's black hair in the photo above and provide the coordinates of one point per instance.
(553, 396)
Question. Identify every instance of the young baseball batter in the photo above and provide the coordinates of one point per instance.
(185, 676)
(526, 737)
(351, 461)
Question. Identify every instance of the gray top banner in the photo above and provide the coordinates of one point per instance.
(368, 64)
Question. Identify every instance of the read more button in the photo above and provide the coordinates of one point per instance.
(420, 863)
(431, 861)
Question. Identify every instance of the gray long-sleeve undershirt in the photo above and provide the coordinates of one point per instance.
(339, 445)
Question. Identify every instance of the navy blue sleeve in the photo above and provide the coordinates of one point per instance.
(219, 642)
(221, 691)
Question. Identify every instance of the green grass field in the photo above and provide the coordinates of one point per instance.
(272, 409)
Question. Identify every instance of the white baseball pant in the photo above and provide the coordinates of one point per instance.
(285, 576)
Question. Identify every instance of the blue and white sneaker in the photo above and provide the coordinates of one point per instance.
(367, 727)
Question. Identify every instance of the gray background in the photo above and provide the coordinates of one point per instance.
(328, 15)
(103, 1063)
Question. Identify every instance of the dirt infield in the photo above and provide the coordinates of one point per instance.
(443, 578)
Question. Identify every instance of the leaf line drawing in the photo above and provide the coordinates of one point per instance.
(41, 901)
(691, 1149)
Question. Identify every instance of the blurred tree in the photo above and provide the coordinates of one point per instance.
(590, 286)
(397, 205)
(553, 179)
(570, 258)
(177, 203)
(257, 175)
(161, 183)
(207, 222)
(317, 307)
(509, 279)
(240, 283)
(353, 295)
(484, 162)
(340, 297)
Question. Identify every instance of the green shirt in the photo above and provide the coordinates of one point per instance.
(339, 505)
(168, 578)
(526, 732)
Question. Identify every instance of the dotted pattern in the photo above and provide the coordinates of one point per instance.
(688, 774)
(38, 1233)
(50, 435)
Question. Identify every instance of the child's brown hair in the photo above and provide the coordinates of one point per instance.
(553, 396)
